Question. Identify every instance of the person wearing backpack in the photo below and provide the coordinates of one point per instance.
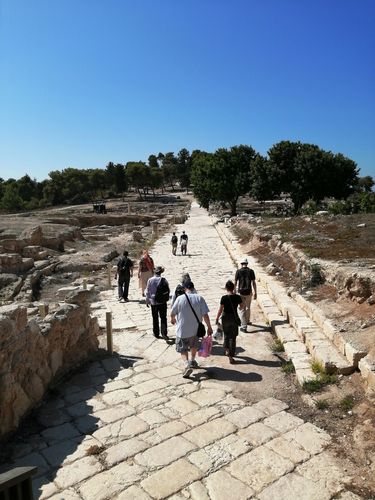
(245, 284)
(180, 289)
(157, 295)
(124, 272)
(174, 241)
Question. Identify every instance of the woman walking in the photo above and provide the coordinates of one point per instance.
(145, 270)
(230, 319)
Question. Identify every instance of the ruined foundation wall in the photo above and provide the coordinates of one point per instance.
(35, 352)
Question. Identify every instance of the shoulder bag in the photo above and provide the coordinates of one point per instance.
(201, 331)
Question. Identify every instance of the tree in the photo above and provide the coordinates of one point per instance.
(365, 184)
(263, 179)
(11, 200)
(223, 176)
(184, 168)
(116, 177)
(138, 176)
(169, 167)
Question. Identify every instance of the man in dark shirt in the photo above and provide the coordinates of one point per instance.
(124, 272)
(183, 242)
(245, 284)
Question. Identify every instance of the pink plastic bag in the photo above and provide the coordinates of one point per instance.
(206, 346)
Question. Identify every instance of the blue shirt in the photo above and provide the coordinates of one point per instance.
(187, 323)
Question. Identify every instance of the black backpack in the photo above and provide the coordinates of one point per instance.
(162, 292)
(180, 290)
(174, 239)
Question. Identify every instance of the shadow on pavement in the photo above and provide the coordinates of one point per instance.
(242, 360)
(218, 373)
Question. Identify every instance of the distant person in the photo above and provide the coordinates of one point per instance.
(229, 319)
(124, 272)
(245, 284)
(174, 242)
(183, 242)
(186, 322)
(157, 295)
(145, 270)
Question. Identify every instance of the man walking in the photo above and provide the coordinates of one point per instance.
(183, 242)
(174, 241)
(157, 295)
(245, 284)
(124, 272)
(186, 324)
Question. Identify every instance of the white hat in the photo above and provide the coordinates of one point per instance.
(244, 261)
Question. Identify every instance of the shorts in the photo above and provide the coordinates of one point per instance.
(183, 345)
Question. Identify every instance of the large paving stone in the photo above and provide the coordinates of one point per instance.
(124, 450)
(211, 431)
(291, 451)
(152, 417)
(110, 415)
(171, 479)
(207, 397)
(182, 406)
(118, 397)
(133, 493)
(68, 451)
(106, 484)
(164, 432)
(77, 471)
(221, 486)
(283, 421)
(150, 400)
(310, 437)
(270, 406)
(260, 467)
(127, 428)
(165, 453)
(293, 486)
(60, 433)
(201, 416)
(244, 417)
(257, 434)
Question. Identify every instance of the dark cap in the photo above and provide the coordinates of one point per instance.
(159, 270)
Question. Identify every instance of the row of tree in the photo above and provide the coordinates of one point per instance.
(304, 171)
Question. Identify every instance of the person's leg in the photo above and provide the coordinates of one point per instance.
(126, 287)
(162, 308)
(242, 312)
(248, 304)
(155, 321)
(120, 288)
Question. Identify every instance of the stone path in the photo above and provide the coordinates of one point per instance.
(130, 427)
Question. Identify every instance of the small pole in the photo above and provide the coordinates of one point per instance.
(84, 284)
(109, 275)
(43, 310)
(108, 321)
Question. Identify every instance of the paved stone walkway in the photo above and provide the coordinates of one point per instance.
(162, 436)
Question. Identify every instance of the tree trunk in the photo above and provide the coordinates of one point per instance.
(233, 207)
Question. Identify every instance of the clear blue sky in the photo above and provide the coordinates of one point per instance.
(85, 82)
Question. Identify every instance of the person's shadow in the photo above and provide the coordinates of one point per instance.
(224, 374)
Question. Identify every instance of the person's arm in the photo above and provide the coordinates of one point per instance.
(219, 313)
(208, 323)
(255, 289)
(131, 269)
(235, 281)
(173, 319)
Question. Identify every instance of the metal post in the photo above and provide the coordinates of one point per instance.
(108, 322)
(84, 284)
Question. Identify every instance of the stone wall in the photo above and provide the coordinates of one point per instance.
(34, 353)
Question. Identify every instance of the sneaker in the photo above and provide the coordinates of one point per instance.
(243, 329)
(120, 299)
(193, 364)
(231, 360)
(187, 372)
(126, 300)
(165, 337)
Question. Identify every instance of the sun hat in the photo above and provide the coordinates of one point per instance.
(244, 261)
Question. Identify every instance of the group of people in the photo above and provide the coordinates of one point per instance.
(183, 243)
(189, 309)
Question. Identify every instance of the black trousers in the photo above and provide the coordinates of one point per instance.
(123, 287)
(230, 330)
(159, 310)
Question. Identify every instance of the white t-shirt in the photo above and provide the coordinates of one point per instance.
(187, 323)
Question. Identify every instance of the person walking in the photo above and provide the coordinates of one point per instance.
(180, 290)
(244, 281)
(124, 272)
(183, 242)
(157, 295)
(174, 241)
(186, 322)
(230, 319)
(145, 270)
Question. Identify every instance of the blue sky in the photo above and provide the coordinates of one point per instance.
(85, 82)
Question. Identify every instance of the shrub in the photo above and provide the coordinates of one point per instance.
(310, 207)
(347, 403)
(288, 367)
(316, 275)
(277, 346)
(322, 404)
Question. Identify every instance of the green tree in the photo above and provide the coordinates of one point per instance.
(263, 179)
(169, 167)
(138, 176)
(11, 200)
(116, 177)
(365, 184)
(223, 176)
(184, 162)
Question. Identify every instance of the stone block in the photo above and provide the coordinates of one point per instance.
(304, 375)
(211, 431)
(282, 422)
(165, 453)
(149, 386)
(260, 467)
(302, 325)
(124, 450)
(293, 348)
(133, 493)
(207, 397)
(171, 479)
(339, 342)
(164, 432)
(331, 359)
(257, 434)
(314, 336)
(310, 437)
(367, 368)
(329, 329)
(293, 452)
(354, 355)
(245, 416)
(222, 485)
(126, 428)
(286, 333)
(76, 472)
(201, 416)
(293, 486)
(270, 406)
